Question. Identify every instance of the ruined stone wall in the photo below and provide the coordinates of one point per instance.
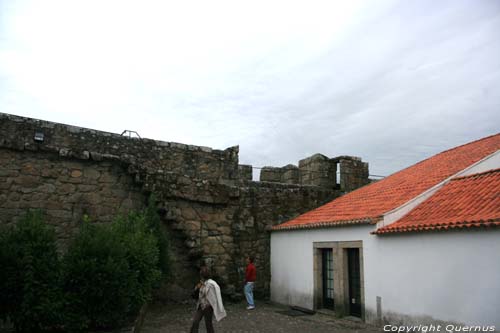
(212, 210)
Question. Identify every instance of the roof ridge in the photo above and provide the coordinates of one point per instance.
(441, 153)
(469, 143)
(476, 175)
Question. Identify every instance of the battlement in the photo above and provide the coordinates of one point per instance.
(343, 172)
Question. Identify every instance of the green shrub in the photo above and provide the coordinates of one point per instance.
(106, 275)
(30, 275)
(142, 255)
(8, 281)
(110, 271)
(97, 279)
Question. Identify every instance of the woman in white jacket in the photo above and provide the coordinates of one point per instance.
(209, 302)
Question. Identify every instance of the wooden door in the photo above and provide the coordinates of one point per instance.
(354, 282)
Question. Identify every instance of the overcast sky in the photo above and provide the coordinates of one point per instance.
(393, 82)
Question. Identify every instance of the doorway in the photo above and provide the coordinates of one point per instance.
(339, 277)
(354, 280)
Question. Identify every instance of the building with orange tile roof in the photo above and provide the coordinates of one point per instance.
(403, 249)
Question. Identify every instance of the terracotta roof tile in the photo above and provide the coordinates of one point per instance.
(372, 201)
(465, 202)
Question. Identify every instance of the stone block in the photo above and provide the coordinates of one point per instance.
(249, 222)
(270, 174)
(64, 152)
(107, 178)
(290, 174)
(46, 188)
(30, 169)
(63, 214)
(66, 188)
(26, 180)
(189, 213)
(86, 188)
(50, 173)
(76, 173)
(4, 172)
(191, 226)
(54, 205)
(245, 172)
(92, 174)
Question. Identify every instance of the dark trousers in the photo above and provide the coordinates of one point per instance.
(208, 314)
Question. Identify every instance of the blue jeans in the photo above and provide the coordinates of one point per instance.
(249, 293)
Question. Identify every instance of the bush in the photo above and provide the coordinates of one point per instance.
(30, 275)
(110, 271)
(142, 254)
(107, 274)
(8, 280)
(97, 279)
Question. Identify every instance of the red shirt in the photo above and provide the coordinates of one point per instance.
(251, 273)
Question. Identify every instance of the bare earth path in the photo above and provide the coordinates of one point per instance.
(265, 318)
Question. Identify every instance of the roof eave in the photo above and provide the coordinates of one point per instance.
(326, 224)
(439, 227)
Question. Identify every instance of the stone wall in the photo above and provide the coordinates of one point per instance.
(318, 170)
(261, 206)
(213, 211)
(245, 172)
(343, 173)
(353, 172)
(220, 225)
(18, 133)
(65, 189)
(271, 174)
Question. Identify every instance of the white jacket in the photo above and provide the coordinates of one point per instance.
(215, 299)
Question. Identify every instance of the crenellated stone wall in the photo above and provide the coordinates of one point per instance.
(353, 172)
(213, 211)
(318, 170)
(343, 173)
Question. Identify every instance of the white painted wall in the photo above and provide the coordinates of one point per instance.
(450, 276)
(292, 276)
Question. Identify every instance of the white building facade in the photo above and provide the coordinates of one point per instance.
(415, 278)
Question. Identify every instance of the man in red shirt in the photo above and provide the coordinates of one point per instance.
(250, 277)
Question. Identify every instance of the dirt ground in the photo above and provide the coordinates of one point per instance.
(266, 318)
